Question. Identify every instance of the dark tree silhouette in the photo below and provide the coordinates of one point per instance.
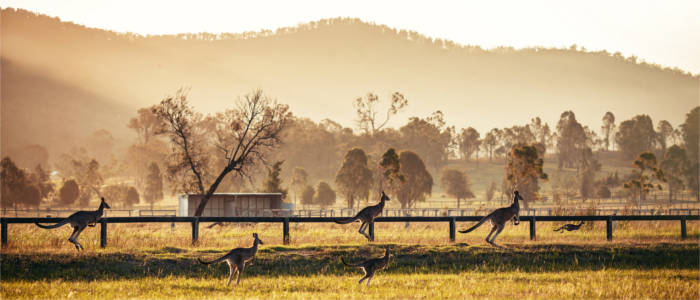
(691, 134)
(69, 192)
(325, 195)
(154, 185)
(636, 135)
(307, 195)
(273, 183)
(354, 179)
(608, 128)
(417, 182)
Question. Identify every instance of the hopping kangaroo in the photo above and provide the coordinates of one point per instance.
(79, 220)
(371, 266)
(498, 219)
(367, 215)
(569, 227)
(236, 259)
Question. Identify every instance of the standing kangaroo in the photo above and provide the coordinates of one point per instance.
(79, 220)
(498, 219)
(569, 227)
(236, 259)
(371, 266)
(367, 215)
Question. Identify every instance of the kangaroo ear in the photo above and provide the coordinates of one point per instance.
(103, 199)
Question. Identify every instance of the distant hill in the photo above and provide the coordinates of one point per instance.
(55, 71)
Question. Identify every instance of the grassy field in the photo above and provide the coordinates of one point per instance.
(646, 260)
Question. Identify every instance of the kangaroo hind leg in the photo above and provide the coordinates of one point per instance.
(493, 239)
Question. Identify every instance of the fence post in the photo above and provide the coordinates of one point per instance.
(533, 234)
(3, 231)
(684, 232)
(285, 231)
(609, 228)
(452, 230)
(103, 233)
(195, 230)
(371, 231)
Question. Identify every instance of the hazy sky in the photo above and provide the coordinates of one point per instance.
(663, 32)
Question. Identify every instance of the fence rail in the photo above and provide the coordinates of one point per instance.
(286, 220)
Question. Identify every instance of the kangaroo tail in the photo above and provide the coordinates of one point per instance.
(346, 221)
(560, 228)
(59, 224)
(347, 264)
(218, 260)
(484, 219)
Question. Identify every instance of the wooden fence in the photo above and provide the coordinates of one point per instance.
(452, 222)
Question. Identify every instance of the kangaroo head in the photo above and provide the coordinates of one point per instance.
(104, 203)
(257, 240)
(517, 196)
(385, 197)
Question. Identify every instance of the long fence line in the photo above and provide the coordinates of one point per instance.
(452, 221)
(346, 212)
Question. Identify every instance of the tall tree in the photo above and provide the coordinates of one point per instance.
(469, 142)
(367, 119)
(273, 182)
(608, 128)
(300, 179)
(354, 178)
(90, 179)
(571, 139)
(646, 176)
(243, 136)
(325, 195)
(691, 134)
(541, 131)
(146, 124)
(390, 172)
(456, 184)
(523, 170)
(490, 142)
(13, 183)
(417, 183)
(589, 166)
(664, 132)
(636, 135)
(674, 167)
(154, 185)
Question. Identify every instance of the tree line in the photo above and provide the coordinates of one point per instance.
(197, 153)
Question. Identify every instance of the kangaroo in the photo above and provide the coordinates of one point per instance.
(236, 259)
(371, 266)
(79, 220)
(569, 227)
(498, 219)
(367, 215)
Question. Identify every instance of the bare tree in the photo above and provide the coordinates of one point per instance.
(367, 112)
(242, 135)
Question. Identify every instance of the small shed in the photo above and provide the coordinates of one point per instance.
(231, 204)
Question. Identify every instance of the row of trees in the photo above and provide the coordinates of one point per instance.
(21, 188)
(198, 151)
